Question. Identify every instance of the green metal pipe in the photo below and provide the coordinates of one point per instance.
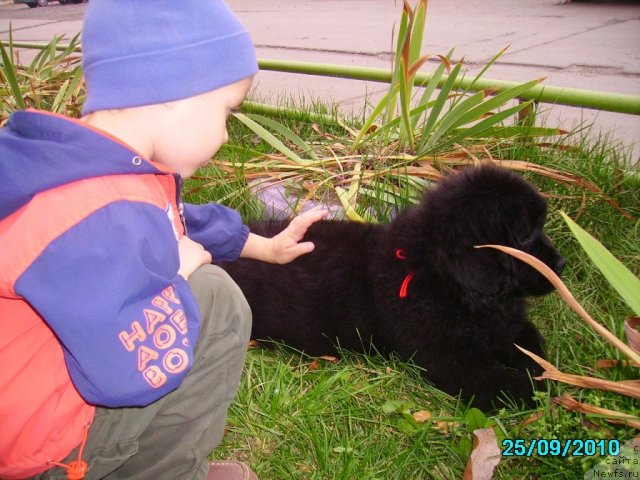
(611, 102)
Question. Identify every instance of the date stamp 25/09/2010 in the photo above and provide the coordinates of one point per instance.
(616, 460)
(543, 447)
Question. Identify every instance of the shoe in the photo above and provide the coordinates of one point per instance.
(230, 470)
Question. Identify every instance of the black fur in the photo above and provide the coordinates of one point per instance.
(464, 309)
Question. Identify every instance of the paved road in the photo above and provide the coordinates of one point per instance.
(588, 45)
(52, 12)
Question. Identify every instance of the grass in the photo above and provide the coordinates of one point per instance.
(300, 418)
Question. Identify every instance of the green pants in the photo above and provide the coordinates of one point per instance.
(172, 437)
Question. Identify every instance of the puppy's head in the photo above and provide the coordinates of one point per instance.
(478, 206)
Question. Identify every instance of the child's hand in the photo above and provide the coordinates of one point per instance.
(192, 256)
(284, 247)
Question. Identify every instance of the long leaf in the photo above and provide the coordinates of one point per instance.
(406, 130)
(417, 33)
(438, 105)
(405, 21)
(349, 211)
(486, 67)
(268, 137)
(496, 102)
(521, 131)
(452, 117)
(568, 297)
(285, 132)
(382, 105)
(620, 278)
(484, 124)
(9, 72)
(433, 83)
(415, 46)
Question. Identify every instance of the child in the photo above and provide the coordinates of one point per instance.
(122, 345)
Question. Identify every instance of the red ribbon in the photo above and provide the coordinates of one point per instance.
(402, 255)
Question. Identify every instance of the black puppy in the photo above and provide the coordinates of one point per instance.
(418, 287)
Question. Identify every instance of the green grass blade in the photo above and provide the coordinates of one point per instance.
(412, 56)
(438, 105)
(495, 102)
(481, 126)
(403, 31)
(520, 131)
(406, 132)
(380, 108)
(452, 116)
(349, 211)
(68, 90)
(59, 101)
(285, 132)
(620, 278)
(431, 86)
(486, 67)
(417, 33)
(8, 71)
(71, 47)
(268, 137)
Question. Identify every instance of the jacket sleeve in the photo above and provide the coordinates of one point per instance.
(109, 289)
(217, 228)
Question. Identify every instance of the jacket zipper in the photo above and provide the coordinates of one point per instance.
(179, 203)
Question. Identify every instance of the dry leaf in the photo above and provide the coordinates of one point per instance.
(539, 360)
(421, 416)
(610, 363)
(485, 456)
(568, 297)
(570, 403)
(630, 388)
(445, 427)
(329, 358)
(533, 418)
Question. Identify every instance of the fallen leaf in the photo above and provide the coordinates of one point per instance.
(421, 416)
(329, 358)
(485, 456)
(533, 418)
(445, 427)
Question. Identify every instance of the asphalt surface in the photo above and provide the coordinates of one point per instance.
(586, 45)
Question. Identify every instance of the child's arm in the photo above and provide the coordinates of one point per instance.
(284, 247)
(217, 228)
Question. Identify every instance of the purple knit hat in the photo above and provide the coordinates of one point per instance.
(142, 52)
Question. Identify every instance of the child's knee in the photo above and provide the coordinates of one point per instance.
(220, 297)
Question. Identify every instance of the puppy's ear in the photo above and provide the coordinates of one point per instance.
(485, 205)
(479, 273)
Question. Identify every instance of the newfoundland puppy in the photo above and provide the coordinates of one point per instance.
(418, 287)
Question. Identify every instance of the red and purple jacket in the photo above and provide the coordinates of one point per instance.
(93, 310)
